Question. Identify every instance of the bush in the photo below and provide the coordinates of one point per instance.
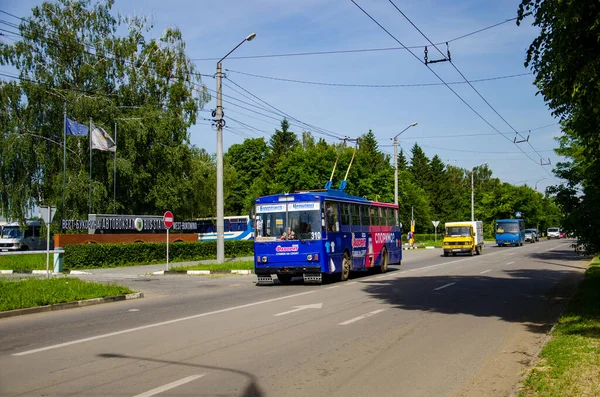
(424, 237)
(135, 254)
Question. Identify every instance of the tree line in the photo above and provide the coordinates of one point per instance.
(428, 189)
(76, 58)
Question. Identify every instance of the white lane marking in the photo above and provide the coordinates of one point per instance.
(559, 246)
(511, 253)
(332, 287)
(443, 286)
(298, 308)
(510, 263)
(125, 331)
(169, 386)
(352, 282)
(361, 317)
(134, 310)
(486, 271)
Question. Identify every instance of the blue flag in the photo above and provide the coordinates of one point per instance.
(76, 129)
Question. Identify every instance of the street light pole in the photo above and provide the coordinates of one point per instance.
(220, 123)
(537, 183)
(396, 163)
(473, 192)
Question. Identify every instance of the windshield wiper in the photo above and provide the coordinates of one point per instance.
(300, 238)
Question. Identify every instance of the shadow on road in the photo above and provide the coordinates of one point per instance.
(533, 297)
(252, 390)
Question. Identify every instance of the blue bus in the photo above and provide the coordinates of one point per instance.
(234, 228)
(322, 234)
(510, 232)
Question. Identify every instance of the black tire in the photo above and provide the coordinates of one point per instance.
(478, 250)
(384, 261)
(284, 278)
(445, 254)
(346, 266)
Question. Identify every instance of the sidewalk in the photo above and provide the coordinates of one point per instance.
(150, 269)
(129, 271)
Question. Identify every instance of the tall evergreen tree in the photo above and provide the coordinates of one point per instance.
(402, 162)
(420, 167)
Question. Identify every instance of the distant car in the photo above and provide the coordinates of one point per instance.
(531, 235)
(563, 234)
(553, 232)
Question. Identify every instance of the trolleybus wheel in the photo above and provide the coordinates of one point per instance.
(384, 261)
(284, 278)
(346, 267)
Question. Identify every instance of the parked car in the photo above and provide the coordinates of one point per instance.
(14, 238)
(531, 235)
(563, 234)
(553, 232)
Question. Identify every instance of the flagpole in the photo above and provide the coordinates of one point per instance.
(90, 134)
(64, 160)
(115, 176)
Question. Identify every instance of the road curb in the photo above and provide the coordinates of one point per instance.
(74, 272)
(203, 272)
(70, 305)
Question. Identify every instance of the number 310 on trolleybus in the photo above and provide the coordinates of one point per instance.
(323, 234)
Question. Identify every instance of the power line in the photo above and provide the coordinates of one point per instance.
(375, 85)
(465, 79)
(463, 150)
(439, 77)
(316, 129)
(334, 52)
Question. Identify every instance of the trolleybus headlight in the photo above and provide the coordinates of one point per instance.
(309, 257)
(264, 259)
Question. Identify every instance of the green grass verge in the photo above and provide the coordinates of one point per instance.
(569, 364)
(241, 265)
(25, 262)
(31, 292)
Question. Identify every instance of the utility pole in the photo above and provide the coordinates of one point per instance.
(220, 123)
(396, 162)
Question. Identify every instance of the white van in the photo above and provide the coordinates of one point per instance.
(13, 238)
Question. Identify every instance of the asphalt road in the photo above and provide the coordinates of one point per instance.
(439, 326)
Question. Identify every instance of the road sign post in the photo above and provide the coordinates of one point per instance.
(168, 221)
(435, 225)
(47, 213)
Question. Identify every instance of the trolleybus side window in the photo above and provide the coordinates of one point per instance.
(355, 211)
(332, 216)
(364, 216)
(345, 208)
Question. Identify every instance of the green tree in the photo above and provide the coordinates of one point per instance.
(565, 58)
(248, 159)
(72, 59)
(420, 167)
(402, 162)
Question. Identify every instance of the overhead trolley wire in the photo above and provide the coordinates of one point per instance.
(376, 85)
(335, 52)
(440, 78)
(463, 76)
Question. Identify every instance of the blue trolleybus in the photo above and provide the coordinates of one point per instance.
(510, 232)
(234, 227)
(323, 234)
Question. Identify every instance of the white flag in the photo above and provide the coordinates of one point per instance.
(101, 140)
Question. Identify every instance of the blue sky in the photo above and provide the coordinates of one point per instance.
(446, 126)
